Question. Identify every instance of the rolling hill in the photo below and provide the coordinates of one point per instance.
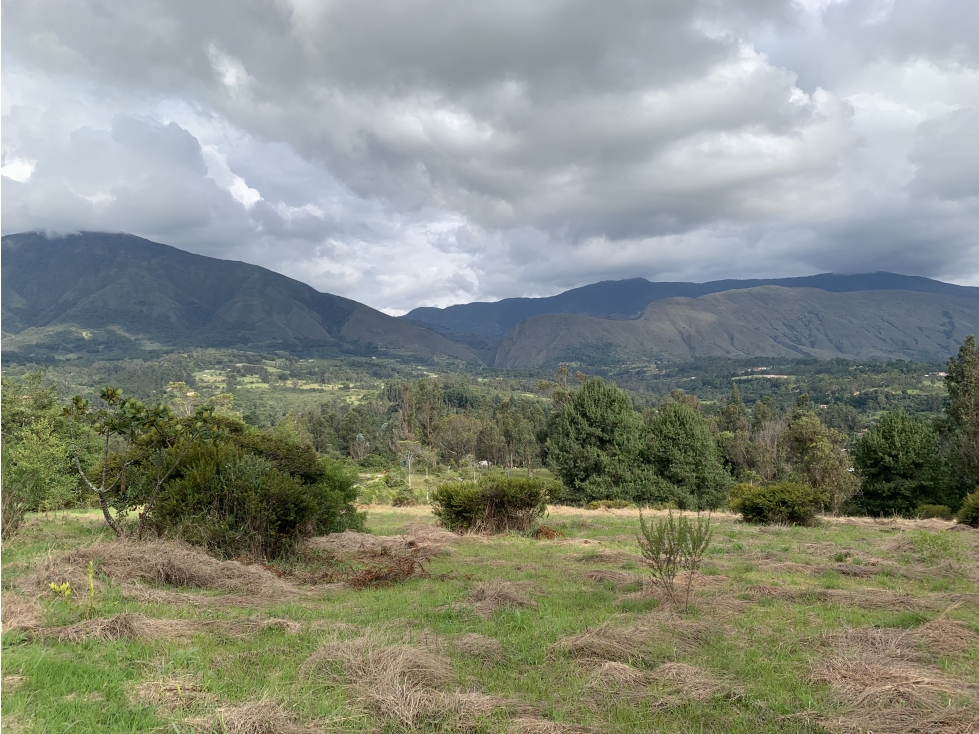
(121, 295)
(626, 299)
(763, 321)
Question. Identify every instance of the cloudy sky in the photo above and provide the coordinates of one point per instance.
(430, 152)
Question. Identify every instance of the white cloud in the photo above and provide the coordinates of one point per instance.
(407, 154)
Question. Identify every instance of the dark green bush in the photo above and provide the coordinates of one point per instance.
(238, 503)
(969, 512)
(493, 505)
(785, 502)
(926, 512)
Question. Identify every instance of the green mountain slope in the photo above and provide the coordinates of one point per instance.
(765, 321)
(116, 294)
(626, 299)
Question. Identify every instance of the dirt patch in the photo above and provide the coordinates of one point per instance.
(479, 646)
(159, 562)
(12, 682)
(20, 612)
(490, 596)
(253, 717)
(172, 694)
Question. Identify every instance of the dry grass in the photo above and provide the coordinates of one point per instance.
(489, 597)
(608, 644)
(396, 681)
(19, 612)
(608, 575)
(609, 556)
(172, 694)
(901, 721)
(479, 646)
(882, 682)
(405, 683)
(159, 562)
(253, 717)
(613, 676)
(534, 725)
(695, 683)
(126, 626)
(939, 637)
(425, 541)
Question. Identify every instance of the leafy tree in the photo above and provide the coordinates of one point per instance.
(962, 411)
(901, 465)
(819, 458)
(153, 439)
(734, 416)
(681, 450)
(594, 442)
(457, 436)
(356, 433)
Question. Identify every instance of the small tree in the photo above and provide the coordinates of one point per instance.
(132, 433)
(670, 544)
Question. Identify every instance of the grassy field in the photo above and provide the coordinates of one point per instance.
(854, 625)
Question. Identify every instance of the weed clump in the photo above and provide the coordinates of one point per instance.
(493, 505)
(786, 502)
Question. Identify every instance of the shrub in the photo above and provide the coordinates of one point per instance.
(608, 505)
(670, 544)
(969, 512)
(785, 502)
(493, 505)
(236, 503)
(927, 512)
(404, 499)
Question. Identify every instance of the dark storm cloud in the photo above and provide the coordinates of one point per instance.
(430, 152)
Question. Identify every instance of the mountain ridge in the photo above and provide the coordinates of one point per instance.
(150, 292)
(762, 321)
(626, 299)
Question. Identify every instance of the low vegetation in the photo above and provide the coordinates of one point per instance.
(852, 624)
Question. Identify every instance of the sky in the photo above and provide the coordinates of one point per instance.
(412, 153)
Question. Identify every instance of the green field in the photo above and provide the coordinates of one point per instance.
(855, 625)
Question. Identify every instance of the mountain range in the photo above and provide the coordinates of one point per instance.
(119, 294)
(116, 295)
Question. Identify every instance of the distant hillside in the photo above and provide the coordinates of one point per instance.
(766, 321)
(119, 295)
(624, 299)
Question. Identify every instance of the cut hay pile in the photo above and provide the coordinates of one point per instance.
(479, 646)
(939, 637)
(611, 576)
(401, 682)
(427, 541)
(126, 626)
(173, 694)
(534, 725)
(612, 676)
(254, 717)
(882, 682)
(609, 644)
(19, 612)
(488, 597)
(695, 683)
(158, 562)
